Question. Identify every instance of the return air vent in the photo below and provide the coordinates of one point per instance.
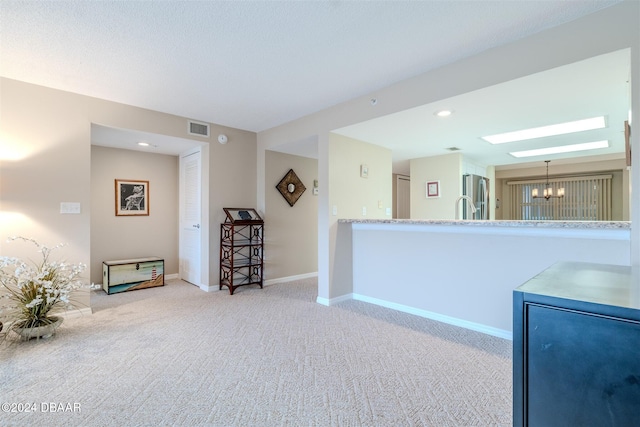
(199, 129)
(453, 149)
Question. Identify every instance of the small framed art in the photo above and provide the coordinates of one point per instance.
(433, 189)
(132, 197)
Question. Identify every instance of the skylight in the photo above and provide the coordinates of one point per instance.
(543, 131)
(561, 149)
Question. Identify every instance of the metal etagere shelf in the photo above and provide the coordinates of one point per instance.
(241, 249)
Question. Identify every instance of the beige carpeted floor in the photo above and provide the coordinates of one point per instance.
(273, 357)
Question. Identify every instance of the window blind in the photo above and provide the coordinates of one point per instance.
(587, 198)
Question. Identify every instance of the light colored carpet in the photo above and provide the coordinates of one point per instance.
(263, 357)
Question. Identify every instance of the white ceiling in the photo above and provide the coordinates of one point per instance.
(254, 65)
(128, 139)
(595, 87)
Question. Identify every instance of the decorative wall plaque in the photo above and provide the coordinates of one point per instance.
(291, 187)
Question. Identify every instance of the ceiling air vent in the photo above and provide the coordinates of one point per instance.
(199, 129)
(453, 149)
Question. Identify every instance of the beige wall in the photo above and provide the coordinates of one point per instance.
(291, 232)
(232, 184)
(617, 168)
(605, 31)
(404, 211)
(45, 158)
(448, 170)
(349, 193)
(122, 237)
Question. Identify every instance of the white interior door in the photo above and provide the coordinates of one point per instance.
(190, 217)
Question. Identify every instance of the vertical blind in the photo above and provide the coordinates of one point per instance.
(587, 198)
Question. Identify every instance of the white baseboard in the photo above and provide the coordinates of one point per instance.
(170, 276)
(332, 301)
(323, 301)
(290, 278)
(500, 333)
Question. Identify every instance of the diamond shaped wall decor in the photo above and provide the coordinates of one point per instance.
(291, 187)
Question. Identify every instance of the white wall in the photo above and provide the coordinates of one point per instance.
(466, 274)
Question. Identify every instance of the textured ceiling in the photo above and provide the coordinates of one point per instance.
(253, 65)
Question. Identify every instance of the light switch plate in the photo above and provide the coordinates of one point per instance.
(69, 208)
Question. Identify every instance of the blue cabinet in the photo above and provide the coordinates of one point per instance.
(576, 341)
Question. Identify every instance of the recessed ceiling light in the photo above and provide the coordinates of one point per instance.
(561, 149)
(143, 144)
(443, 113)
(543, 131)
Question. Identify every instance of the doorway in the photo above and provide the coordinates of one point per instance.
(190, 234)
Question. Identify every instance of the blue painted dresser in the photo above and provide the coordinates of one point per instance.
(576, 347)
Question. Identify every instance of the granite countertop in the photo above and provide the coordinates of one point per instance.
(600, 225)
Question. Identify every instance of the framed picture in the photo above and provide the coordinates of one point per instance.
(433, 189)
(132, 197)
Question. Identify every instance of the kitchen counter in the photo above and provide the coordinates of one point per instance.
(464, 272)
(600, 225)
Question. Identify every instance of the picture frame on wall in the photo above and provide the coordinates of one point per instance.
(433, 189)
(132, 197)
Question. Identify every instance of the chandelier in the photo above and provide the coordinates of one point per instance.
(548, 191)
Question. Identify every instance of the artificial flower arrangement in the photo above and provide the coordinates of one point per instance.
(32, 293)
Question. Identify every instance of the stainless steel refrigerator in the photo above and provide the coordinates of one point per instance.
(476, 187)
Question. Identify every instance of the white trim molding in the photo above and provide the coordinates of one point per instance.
(500, 333)
(336, 300)
(290, 278)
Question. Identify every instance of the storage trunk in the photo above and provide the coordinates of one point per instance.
(131, 274)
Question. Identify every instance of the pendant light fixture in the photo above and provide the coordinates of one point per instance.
(548, 191)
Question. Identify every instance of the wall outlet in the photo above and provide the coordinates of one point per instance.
(334, 210)
(388, 212)
(364, 211)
